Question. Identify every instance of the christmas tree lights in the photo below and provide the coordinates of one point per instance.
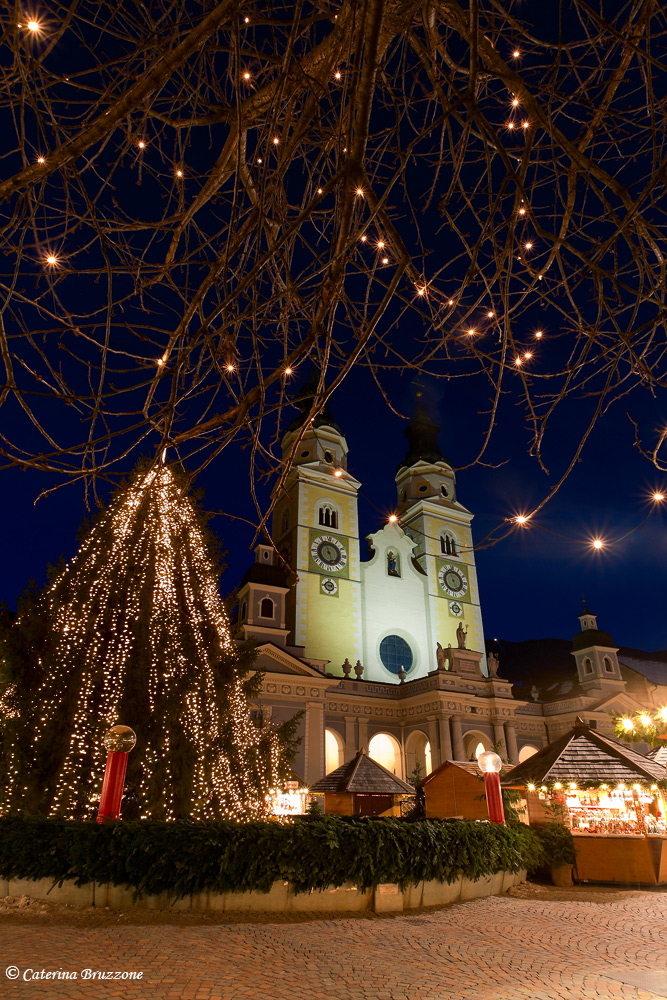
(133, 631)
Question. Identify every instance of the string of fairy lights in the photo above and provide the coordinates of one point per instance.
(156, 579)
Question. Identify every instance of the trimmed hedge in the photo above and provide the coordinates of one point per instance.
(186, 857)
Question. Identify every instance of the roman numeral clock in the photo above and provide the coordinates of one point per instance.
(453, 581)
(328, 553)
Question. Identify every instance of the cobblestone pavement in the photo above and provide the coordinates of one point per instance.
(533, 945)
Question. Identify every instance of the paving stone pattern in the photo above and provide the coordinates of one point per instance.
(558, 946)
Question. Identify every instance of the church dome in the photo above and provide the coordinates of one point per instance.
(591, 637)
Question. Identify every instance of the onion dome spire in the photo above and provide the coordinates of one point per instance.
(422, 435)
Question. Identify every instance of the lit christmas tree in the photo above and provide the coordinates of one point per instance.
(133, 631)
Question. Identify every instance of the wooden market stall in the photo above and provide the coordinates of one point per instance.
(455, 790)
(362, 786)
(610, 797)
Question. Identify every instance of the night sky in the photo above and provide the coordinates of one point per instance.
(531, 582)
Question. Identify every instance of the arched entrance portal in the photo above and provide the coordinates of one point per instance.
(333, 750)
(418, 755)
(475, 743)
(386, 750)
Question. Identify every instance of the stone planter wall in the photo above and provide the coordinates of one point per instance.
(281, 899)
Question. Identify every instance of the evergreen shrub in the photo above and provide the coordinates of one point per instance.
(310, 852)
(558, 845)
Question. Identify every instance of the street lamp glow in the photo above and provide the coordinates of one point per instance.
(489, 762)
(597, 543)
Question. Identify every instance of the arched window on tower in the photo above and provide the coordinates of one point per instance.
(608, 666)
(285, 519)
(588, 666)
(266, 608)
(448, 545)
(244, 609)
(327, 516)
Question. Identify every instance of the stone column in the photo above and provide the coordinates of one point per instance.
(445, 740)
(363, 734)
(350, 737)
(433, 740)
(315, 765)
(499, 737)
(510, 740)
(457, 738)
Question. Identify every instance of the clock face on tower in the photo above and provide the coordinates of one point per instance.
(452, 581)
(328, 553)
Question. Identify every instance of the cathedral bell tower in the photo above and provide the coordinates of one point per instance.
(316, 531)
(596, 657)
(433, 518)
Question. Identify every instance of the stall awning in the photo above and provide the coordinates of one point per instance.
(585, 755)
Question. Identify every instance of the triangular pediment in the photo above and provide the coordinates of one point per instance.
(276, 660)
(619, 703)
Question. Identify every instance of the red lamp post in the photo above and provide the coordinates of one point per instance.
(490, 764)
(118, 742)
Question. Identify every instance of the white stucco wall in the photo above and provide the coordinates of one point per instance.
(394, 605)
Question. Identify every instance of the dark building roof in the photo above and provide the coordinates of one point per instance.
(362, 776)
(271, 576)
(422, 435)
(549, 665)
(592, 637)
(304, 399)
(585, 755)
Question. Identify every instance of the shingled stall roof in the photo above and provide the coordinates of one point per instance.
(362, 776)
(583, 755)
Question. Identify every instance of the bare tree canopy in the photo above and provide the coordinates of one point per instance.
(199, 201)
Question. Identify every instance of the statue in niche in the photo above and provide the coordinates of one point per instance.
(462, 635)
(442, 657)
(392, 564)
(494, 663)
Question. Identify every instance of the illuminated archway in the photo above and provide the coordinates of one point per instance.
(386, 750)
(475, 743)
(526, 751)
(418, 753)
(333, 750)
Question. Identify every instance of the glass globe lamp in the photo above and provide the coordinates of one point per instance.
(489, 762)
(119, 739)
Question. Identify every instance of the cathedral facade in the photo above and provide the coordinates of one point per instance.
(388, 653)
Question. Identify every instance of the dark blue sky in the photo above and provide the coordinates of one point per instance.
(531, 582)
